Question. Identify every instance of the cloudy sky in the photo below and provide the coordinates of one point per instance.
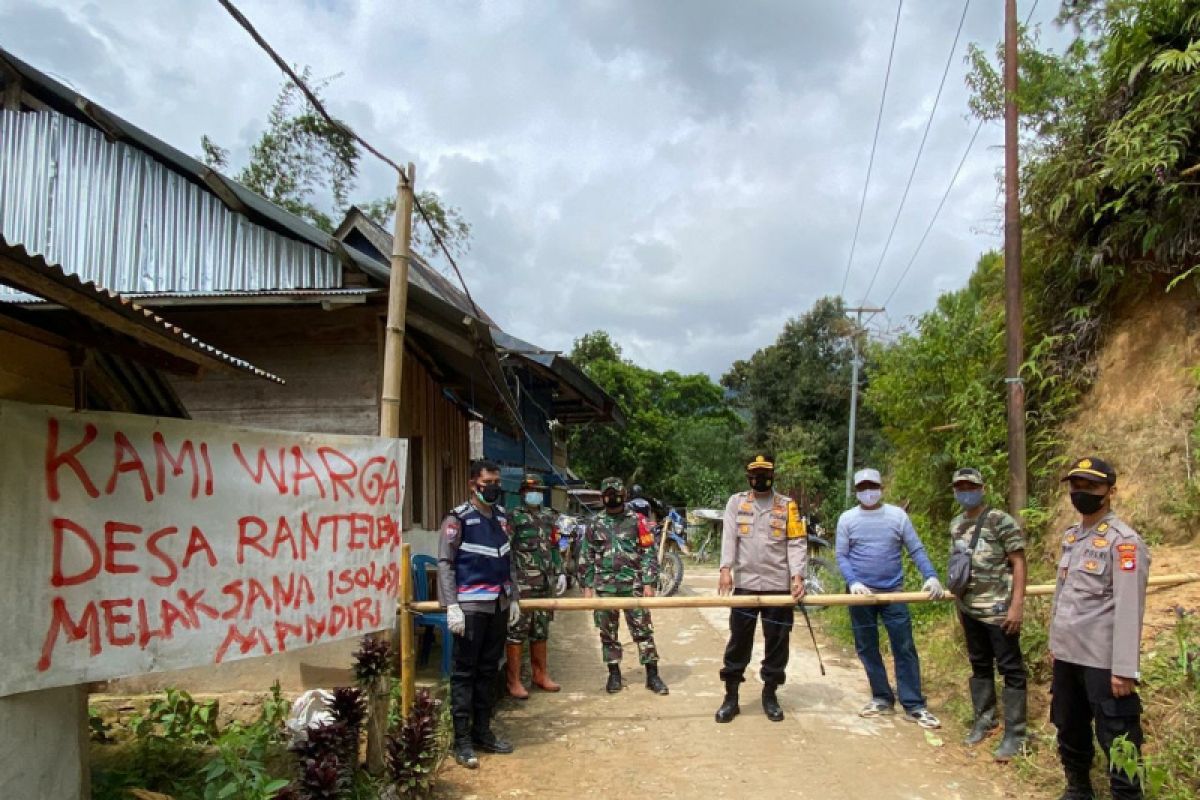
(683, 174)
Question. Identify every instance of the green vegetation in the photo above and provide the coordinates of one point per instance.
(683, 441)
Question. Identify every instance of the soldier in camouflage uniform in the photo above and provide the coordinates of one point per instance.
(538, 567)
(618, 559)
(991, 609)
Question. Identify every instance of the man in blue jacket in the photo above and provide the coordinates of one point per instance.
(870, 541)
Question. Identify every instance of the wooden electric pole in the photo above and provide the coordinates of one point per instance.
(1013, 316)
(855, 363)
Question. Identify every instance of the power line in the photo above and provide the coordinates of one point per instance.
(874, 144)
(945, 195)
(936, 212)
(437, 237)
(920, 149)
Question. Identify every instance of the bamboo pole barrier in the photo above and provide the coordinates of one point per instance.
(404, 620)
(763, 601)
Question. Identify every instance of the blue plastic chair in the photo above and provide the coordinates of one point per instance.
(430, 621)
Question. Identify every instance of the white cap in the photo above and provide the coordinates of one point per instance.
(867, 476)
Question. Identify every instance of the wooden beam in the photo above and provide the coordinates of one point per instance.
(220, 188)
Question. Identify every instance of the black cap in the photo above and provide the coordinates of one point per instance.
(968, 474)
(1093, 469)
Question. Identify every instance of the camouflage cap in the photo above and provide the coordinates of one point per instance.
(532, 481)
(612, 483)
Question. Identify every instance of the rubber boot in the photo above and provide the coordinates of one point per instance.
(538, 660)
(770, 703)
(1013, 742)
(512, 669)
(614, 679)
(653, 682)
(729, 706)
(983, 699)
(1079, 785)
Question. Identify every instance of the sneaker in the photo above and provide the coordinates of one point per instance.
(923, 718)
(877, 708)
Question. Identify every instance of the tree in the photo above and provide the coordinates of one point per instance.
(446, 219)
(682, 438)
(298, 158)
(801, 383)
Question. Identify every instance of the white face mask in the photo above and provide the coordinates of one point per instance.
(869, 497)
(533, 498)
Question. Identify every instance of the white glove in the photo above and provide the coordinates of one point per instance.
(514, 613)
(858, 588)
(561, 586)
(935, 588)
(456, 620)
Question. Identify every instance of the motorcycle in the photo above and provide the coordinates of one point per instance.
(821, 575)
(671, 539)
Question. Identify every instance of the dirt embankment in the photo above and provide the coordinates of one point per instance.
(1141, 413)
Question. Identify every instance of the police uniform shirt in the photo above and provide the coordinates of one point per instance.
(449, 540)
(771, 550)
(1100, 597)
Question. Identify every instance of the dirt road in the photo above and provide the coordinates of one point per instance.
(584, 743)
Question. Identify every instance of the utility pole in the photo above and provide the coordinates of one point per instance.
(855, 363)
(1013, 316)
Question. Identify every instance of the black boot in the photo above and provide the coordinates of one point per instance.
(614, 679)
(483, 738)
(1079, 785)
(653, 682)
(770, 703)
(983, 699)
(729, 706)
(464, 754)
(1013, 743)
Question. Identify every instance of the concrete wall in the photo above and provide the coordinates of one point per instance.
(44, 745)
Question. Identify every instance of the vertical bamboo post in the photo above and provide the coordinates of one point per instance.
(389, 417)
(404, 619)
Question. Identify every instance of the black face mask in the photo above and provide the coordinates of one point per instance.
(1086, 503)
(489, 493)
(613, 501)
(760, 482)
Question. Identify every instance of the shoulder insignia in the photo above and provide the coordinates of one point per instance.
(1129, 559)
(1102, 527)
(1070, 538)
(450, 527)
(461, 508)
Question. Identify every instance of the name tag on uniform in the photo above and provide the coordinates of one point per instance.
(473, 521)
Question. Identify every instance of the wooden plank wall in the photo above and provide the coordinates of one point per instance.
(444, 447)
(332, 362)
(34, 372)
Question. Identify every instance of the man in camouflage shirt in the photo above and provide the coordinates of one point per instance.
(991, 609)
(538, 566)
(618, 559)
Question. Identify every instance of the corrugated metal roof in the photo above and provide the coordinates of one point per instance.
(153, 297)
(119, 218)
(32, 274)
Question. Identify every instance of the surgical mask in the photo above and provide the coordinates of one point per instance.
(969, 498)
(1087, 503)
(533, 498)
(489, 493)
(761, 483)
(869, 497)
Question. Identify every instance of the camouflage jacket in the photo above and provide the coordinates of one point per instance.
(990, 589)
(617, 555)
(535, 548)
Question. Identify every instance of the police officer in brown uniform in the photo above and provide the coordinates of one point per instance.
(1096, 632)
(763, 552)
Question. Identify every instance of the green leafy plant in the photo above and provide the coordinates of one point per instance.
(1123, 755)
(178, 717)
(98, 728)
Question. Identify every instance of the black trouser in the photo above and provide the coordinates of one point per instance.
(990, 649)
(777, 629)
(1083, 695)
(476, 661)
